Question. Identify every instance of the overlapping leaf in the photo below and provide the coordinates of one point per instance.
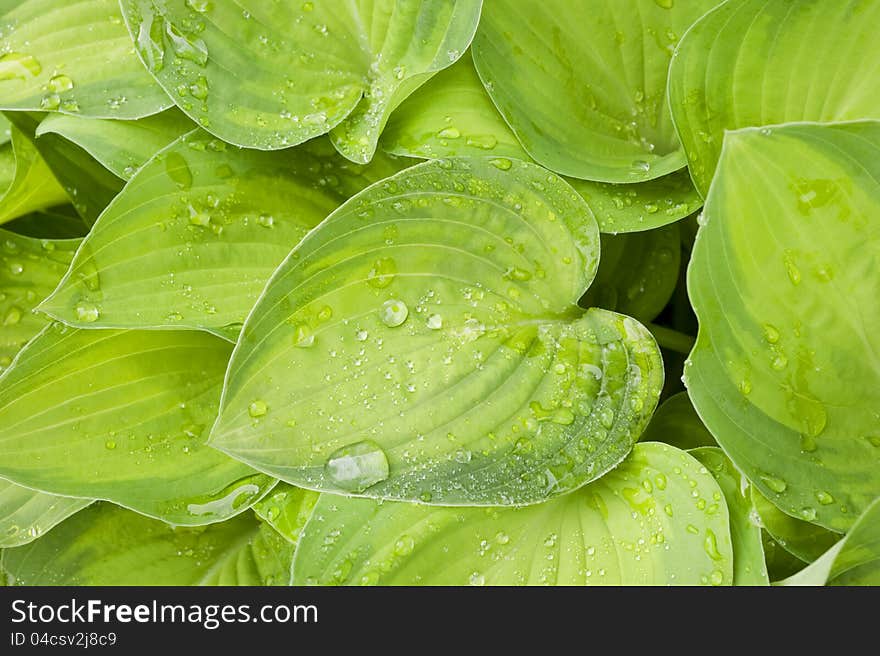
(268, 75)
(122, 415)
(758, 62)
(73, 57)
(26, 182)
(108, 545)
(197, 232)
(639, 524)
(804, 540)
(27, 514)
(447, 360)
(784, 281)
(583, 85)
(677, 423)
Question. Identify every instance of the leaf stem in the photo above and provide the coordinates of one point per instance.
(672, 339)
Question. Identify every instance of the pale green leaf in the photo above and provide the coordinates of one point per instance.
(786, 369)
(637, 273)
(29, 271)
(637, 525)
(108, 545)
(803, 539)
(677, 423)
(120, 146)
(195, 235)
(754, 63)
(452, 115)
(73, 57)
(287, 509)
(27, 182)
(122, 416)
(583, 85)
(435, 313)
(749, 567)
(27, 514)
(268, 75)
(855, 560)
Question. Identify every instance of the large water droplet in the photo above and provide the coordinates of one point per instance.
(393, 313)
(382, 273)
(258, 408)
(357, 466)
(86, 312)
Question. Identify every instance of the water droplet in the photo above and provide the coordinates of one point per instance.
(807, 514)
(449, 133)
(710, 544)
(110, 445)
(258, 408)
(266, 220)
(476, 579)
(462, 456)
(771, 334)
(501, 163)
(13, 316)
(303, 337)
(717, 576)
(178, 170)
(794, 274)
(404, 545)
(357, 466)
(189, 48)
(18, 65)
(776, 484)
(824, 498)
(393, 313)
(382, 274)
(51, 101)
(201, 6)
(86, 312)
(435, 322)
(641, 166)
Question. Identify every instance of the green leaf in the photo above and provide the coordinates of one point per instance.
(452, 115)
(855, 560)
(749, 567)
(269, 75)
(73, 57)
(27, 514)
(120, 146)
(785, 372)
(27, 182)
(637, 273)
(780, 563)
(195, 235)
(677, 423)
(803, 539)
(56, 223)
(287, 509)
(448, 362)
(29, 271)
(88, 185)
(583, 85)
(122, 416)
(753, 62)
(637, 525)
(108, 545)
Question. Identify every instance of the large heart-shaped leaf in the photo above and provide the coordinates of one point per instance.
(855, 560)
(195, 235)
(583, 85)
(637, 273)
(27, 514)
(108, 545)
(29, 271)
(121, 415)
(452, 115)
(447, 360)
(268, 75)
(640, 524)
(753, 62)
(749, 567)
(87, 183)
(803, 539)
(784, 280)
(120, 146)
(27, 183)
(74, 57)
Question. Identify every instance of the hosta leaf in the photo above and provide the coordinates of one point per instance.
(56, 223)
(27, 514)
(287, 509)
(120, 146)
(195, 235)
(452, 115)
(29, 271)
(75, 57)
(448, 362)
(677, 423)
(637, 525)
(583, 85)
(749, 567)
(780, 563)
(855, 560)
(27, 182)
(108, 545)
(87, 183)
(785, 372)
(269, 75)
(121, 415)
(753, 62)
(803, 539)
(637, 273)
